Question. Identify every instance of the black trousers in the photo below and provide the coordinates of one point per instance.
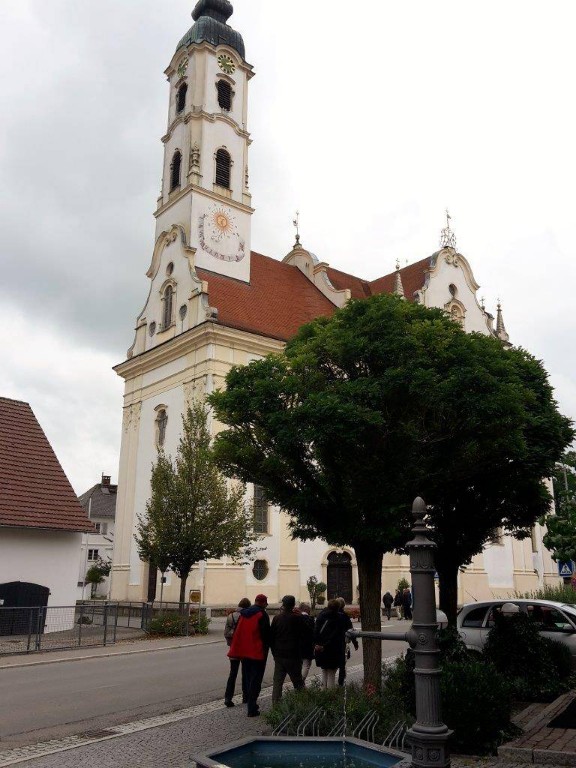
(283, 667)
(254, 669)
(231, 682)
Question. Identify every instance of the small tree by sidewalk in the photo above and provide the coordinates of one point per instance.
(97, 574)
(316, 589)
(192, 514)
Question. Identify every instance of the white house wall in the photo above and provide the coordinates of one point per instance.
(45, 557)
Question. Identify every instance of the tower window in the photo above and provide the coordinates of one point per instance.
(223, 165)
(161, 422)
(224, 95)
(181, 98)
(167, 312)
(175, 170)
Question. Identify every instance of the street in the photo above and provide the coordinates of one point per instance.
(48, 701)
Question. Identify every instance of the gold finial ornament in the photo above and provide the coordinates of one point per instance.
(447, 237)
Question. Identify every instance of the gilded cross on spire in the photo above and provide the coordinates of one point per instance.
(447, 237)
(296, 223)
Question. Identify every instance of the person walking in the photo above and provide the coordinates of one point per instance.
(407, 603)
(229, 629)
(329, 642)
(308, 646)
(387, 601)
(287, 640)
(346, 624)
(398, 603)
(250, 643)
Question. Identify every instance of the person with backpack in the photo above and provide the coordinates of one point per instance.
(251, 643)
(229, 629)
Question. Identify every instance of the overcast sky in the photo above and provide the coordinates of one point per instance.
(369, 117)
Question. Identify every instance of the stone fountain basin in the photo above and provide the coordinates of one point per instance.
(296, 752)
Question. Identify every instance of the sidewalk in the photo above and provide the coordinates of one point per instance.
(121, 648)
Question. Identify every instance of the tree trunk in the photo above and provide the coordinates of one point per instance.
(183, 580)
(370, 582)
(448, 578)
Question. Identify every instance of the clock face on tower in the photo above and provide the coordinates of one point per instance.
(183, 66)
(226, 64)
(218, 234)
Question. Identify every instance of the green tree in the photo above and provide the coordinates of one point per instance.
(384, 401)
(96, 574)
(561, 535)
(192, 514)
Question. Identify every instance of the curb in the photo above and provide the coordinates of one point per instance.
(106, 655)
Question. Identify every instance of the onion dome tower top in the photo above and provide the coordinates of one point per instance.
(211, 17)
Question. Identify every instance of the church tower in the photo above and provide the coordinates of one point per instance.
(204, 211)
(205, 175)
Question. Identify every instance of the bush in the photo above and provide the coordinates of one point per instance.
(359, 701)
(476, 705)
(537, 669)
(200, 624)
(476, 700)
(169, 625)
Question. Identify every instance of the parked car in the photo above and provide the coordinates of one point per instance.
(557, 621)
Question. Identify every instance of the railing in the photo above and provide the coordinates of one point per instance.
(93, 623)
(42, 628)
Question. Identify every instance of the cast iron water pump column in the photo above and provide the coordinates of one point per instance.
(429, 735)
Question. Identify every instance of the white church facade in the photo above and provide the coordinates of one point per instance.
(214, 303)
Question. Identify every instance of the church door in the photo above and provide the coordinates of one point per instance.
(340, 576)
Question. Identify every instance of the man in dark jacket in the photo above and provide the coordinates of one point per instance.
(387, 601)
(288, 638)
(250, 643)
(407, 603)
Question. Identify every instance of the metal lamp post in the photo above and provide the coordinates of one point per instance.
(428, 736)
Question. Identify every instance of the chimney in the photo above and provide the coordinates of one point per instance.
(106, 481)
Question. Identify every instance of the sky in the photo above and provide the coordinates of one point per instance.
(369, 118)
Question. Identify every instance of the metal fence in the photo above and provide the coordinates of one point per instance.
(93, 623)
(27, 630)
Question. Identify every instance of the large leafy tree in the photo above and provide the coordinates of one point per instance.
(561, 535)
(384, 401)
(192, 513)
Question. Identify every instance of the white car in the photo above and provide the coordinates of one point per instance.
(556, 620)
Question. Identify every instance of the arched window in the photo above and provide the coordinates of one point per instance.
(223, 165)
(260, 508)
(181, 98)
(175, 170)
(167, 312)
(161, 422)
(224, 95)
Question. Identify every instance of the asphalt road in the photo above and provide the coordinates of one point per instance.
(55, 700)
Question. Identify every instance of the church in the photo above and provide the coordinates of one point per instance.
(214, 303)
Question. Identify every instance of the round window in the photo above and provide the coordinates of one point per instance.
(170, 268)
(152, 329)
(260, 569)
(182, 311)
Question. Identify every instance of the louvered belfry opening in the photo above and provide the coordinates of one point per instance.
(223, 164)
(224, 95)
(181, 97)
(175, 170)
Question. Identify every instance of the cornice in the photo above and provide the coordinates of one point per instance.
(208, 193)
(248, 69)
(197, 113)
(206, 333)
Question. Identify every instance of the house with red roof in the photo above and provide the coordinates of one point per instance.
(214, 302)
(41, 520)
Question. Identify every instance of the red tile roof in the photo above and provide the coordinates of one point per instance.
(279, 298)
(275, 303)
(34, 491)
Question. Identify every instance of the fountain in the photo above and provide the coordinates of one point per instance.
(428, 736)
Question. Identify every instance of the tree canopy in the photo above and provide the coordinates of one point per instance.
(561, 535)
(384, 401)
(192, 514)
